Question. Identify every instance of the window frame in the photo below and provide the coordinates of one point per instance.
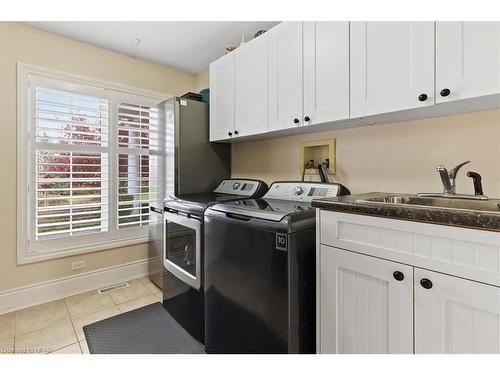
(30, 250)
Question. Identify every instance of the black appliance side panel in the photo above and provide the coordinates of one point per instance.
(302, 291)
(185, 304)
(200, 165)
(246, 294)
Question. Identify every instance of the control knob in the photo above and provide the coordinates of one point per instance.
(236, 185)
(298, 190)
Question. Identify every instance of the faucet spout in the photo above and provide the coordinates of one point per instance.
(454, 171)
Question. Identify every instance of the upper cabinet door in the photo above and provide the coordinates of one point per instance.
(285, 75)
(251, 93)
(326, 72)
(467, 60)
(392, 66)
(454, 315)
(365, 304)
(222, 98)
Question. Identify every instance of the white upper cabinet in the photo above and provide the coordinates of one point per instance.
(285, 75)
(392, 66)
(222, 98)
(454, 315)
(365, 304)
(326, 72)
(251, 87)
(467, 60)
(309, 73)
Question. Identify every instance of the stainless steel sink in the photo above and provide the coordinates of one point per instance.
(490, 206)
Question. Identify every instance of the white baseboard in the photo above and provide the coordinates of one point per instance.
(35, 294)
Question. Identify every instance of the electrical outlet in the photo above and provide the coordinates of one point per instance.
(77, 265)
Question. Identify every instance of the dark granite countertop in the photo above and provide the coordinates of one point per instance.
(443, 216)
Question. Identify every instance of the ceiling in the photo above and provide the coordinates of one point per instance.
(186, 45)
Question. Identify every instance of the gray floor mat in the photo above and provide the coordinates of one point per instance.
(147, 330)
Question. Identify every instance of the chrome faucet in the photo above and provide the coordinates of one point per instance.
(448, 177)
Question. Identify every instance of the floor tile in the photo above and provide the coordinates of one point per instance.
(39, 317)
(134, 291)
(71, 349)
(86, 303)
(7, 346)
(150, 285)
(159, 296)
(47, 340)
(82, 321)
(84, 347)
(136, 303)
(7, 326)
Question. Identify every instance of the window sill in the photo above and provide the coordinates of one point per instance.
(26, 257)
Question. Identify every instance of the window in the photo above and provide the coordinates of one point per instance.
(89, 165)
(71, 163)
(138, 182)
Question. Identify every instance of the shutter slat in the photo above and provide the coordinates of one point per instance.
(72, 231)
(58, 113)
(104, 125)
(41, 102)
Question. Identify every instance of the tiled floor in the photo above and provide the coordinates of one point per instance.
(57, 327)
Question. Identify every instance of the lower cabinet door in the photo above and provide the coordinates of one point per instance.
(365, 304)
(454, 315)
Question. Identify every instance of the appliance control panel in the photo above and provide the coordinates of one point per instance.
(301, 191)
(238, 187)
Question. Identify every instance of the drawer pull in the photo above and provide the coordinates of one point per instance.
(398, 275)
(426, 283)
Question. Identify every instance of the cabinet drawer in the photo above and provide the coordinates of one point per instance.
(468, 253)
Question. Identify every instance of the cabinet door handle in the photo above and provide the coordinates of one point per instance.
(229, 133)
(426, 283)
(422, 97)
(445, 92)
(307, 119)
(296, 120)
(398, 275)
(236, 132)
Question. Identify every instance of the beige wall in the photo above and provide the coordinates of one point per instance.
(398, 157)
(19, 43)
(202, 80)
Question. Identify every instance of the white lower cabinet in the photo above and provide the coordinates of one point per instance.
(455, 315)
(372, 305)
(363, 308)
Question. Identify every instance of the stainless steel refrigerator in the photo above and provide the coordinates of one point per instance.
(187, 162)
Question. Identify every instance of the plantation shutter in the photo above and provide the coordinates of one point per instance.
(70, 159)
(138, 163)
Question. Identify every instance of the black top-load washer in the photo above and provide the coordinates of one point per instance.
(260, 271)
(183, 253)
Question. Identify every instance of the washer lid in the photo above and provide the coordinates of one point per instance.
(266, 209)
(197, 203)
